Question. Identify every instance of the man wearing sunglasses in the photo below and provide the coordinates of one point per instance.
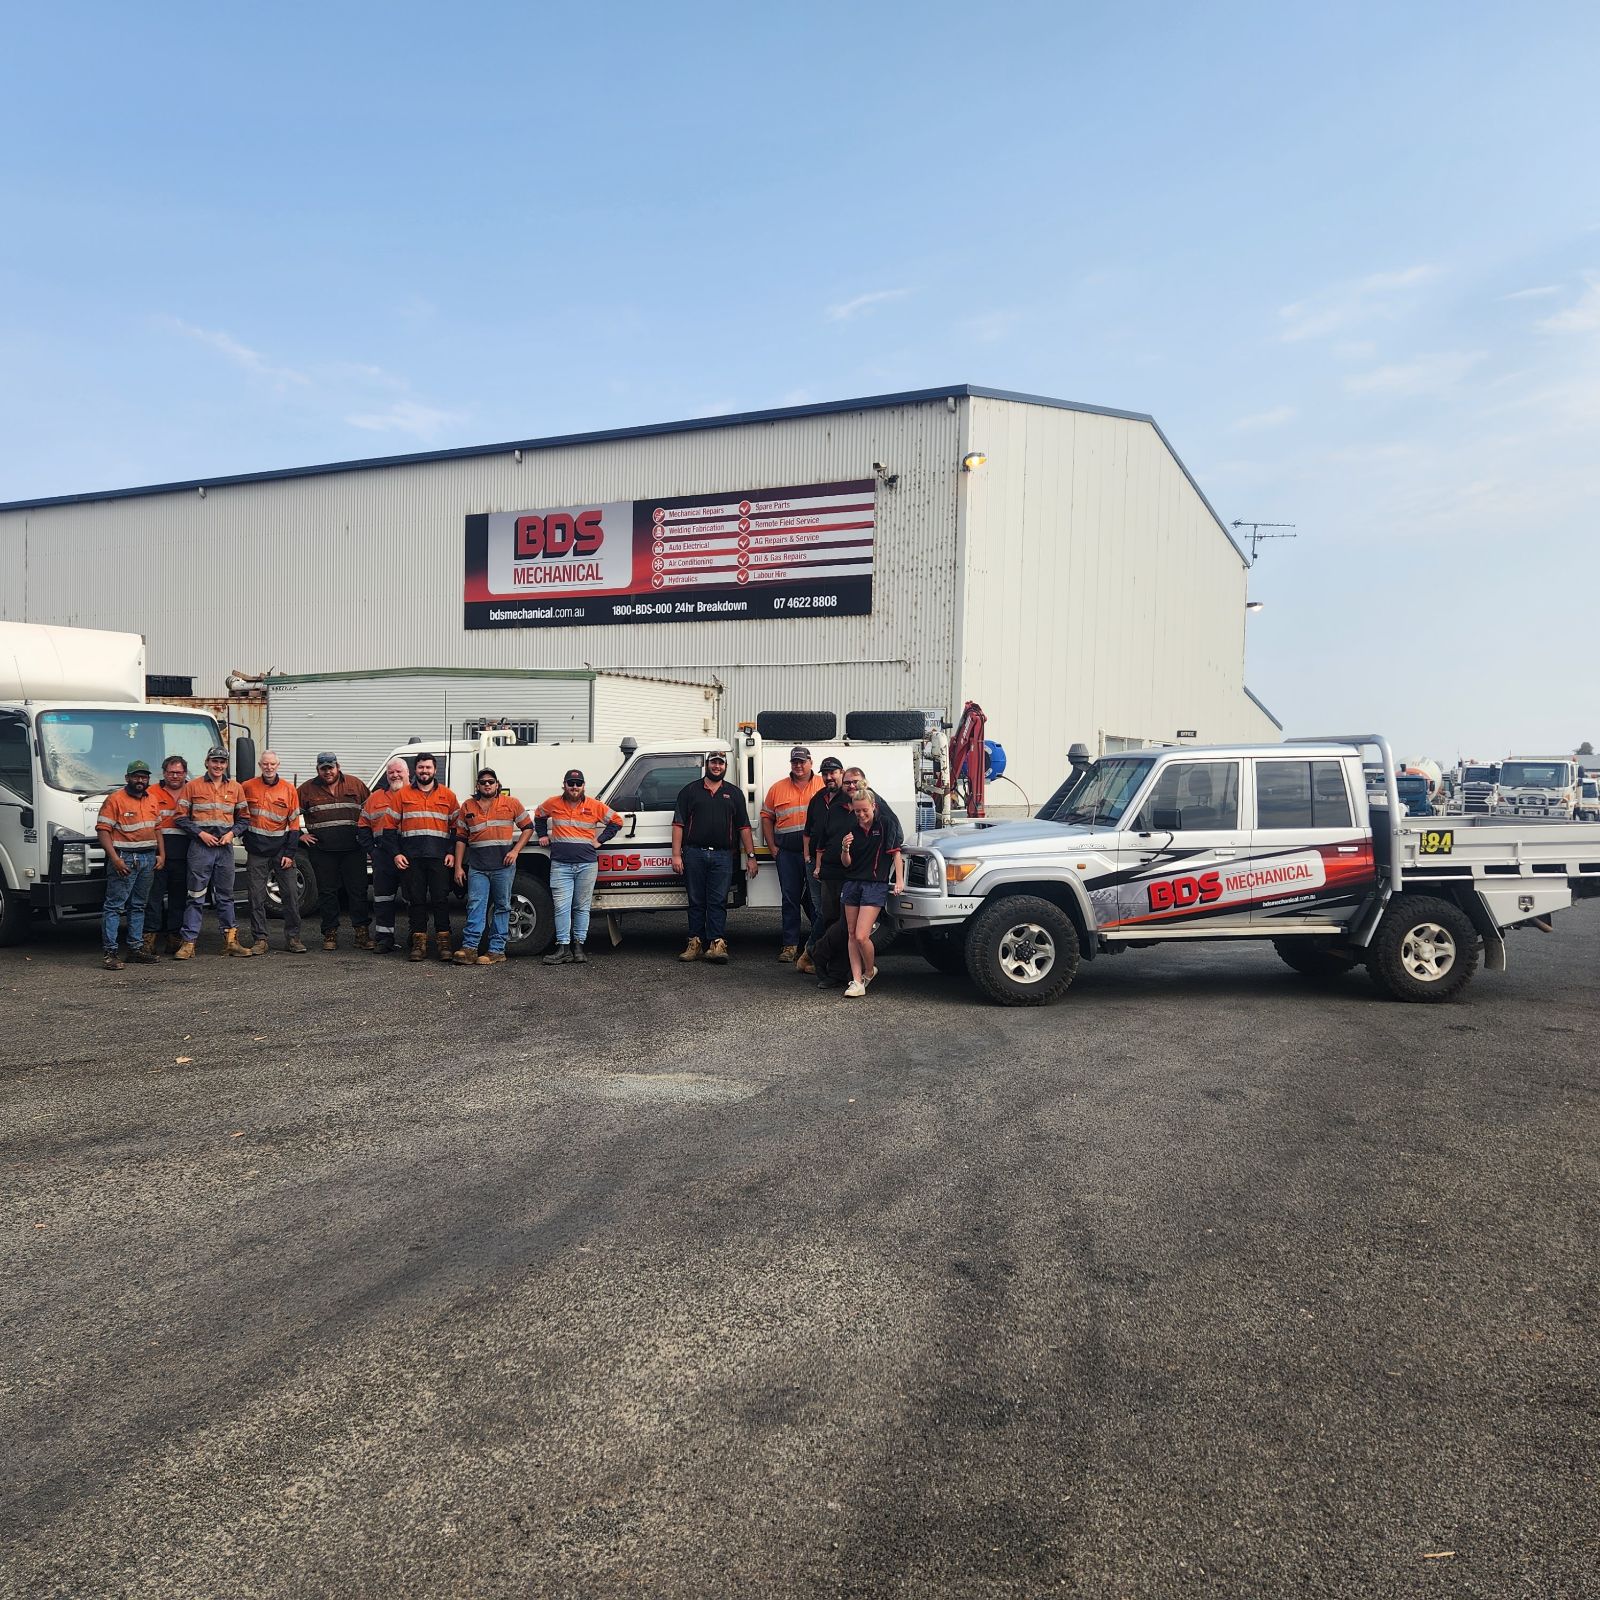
(573, 827)
(709, 824)
(491, 830)
(331, 805)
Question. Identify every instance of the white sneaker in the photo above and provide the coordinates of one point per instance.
(854, 989)
(870, 976)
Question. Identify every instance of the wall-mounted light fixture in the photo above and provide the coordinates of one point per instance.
(518, 455)
(972, 460)
(202, 490)
(887, 478)
(1254, 605)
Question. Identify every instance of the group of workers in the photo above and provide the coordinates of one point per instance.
(169, 848)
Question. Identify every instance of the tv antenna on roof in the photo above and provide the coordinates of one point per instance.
(1257, 536)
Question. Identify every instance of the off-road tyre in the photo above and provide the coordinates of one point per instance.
(1022, 950)
(945, 952)
(14, 915)
(884, 727)
(1425, 949)
(797, 726)
(1317, 958)
(533, 915)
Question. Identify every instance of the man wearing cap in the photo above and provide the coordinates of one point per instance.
(573, 827)
(824, 891)
(492, 828)
(331, 805)
(172, 878)
(783, 829)
(129, 830)
(271, 837)
(709, 824)
(830, 952)
(209, 809)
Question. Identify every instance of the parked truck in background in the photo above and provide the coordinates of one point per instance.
(73, 714)
(1589, 799)
(1273, 842)
(1476, 783)
(1428, 770)
(1544, 786)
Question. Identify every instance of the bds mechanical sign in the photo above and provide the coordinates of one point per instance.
(695, 558)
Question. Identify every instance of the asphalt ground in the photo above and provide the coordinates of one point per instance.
(334, 1275)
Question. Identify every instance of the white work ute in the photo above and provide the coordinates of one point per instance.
(1278, 842)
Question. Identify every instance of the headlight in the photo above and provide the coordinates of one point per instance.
(959, 871)
(75, 861)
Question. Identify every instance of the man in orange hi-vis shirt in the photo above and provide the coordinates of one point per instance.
(492, 828)
(783, 827)
(129, 830)
(574, 827)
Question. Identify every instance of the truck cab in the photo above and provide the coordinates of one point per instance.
(1542, 787)
(1589, 799)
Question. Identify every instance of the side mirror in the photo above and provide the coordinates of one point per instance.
(244, 757)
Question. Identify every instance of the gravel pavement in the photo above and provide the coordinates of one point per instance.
(335, 1275)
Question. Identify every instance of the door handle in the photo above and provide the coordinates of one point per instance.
(633, 824)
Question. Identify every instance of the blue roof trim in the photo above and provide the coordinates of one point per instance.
(825, 408)
(1263, 710)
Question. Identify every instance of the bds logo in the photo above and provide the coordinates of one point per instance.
(621, 863)
(554, 535)
(1174, 893)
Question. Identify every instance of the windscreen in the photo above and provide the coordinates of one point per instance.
(1535, 775)
(1105, 792)
(1477, 774)
(87, 752)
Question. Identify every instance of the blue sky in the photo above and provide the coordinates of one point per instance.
(1349, 257)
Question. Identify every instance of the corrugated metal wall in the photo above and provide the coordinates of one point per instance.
(364, 569)
(1102, 597)
(362, 719)
(647, 708)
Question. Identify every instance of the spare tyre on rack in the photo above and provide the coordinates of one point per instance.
(797, 725)
(885, 726)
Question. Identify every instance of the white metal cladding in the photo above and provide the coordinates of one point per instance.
(1101, 594)
(371, 563)
(362, 719)
(646, 707)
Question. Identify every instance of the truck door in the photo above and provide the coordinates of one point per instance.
(639, 859)
(1309, 861)
(1175, 856)
(19, 828)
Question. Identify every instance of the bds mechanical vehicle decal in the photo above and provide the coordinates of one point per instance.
(647, 865)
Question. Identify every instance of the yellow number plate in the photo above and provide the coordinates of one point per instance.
(1438, 842)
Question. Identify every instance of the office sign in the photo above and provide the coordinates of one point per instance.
(753, 554)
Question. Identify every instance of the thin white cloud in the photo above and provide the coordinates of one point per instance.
(1583, 316)
(847, 309)
(407, 416)
(1430, 374)
(1543, 291)
(1345, 305)
(241, 355)
(1275, 418)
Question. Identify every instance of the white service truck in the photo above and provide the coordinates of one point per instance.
(1589, 799)
(73, 714)
(1540, 786)
(641, 780)
(1276, 842)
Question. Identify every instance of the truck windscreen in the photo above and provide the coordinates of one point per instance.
(87, 752)
(1105, 792)
(1534, 775)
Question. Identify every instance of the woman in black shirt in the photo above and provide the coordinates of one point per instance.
(874, 867)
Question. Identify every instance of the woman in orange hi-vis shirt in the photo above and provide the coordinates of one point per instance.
(573, 827)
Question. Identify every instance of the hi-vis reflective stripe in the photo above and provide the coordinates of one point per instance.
(263, 820)
(326, 811)
(212, 805)
(378, 815)
(787, 803)
(432, 823)
(500, 826)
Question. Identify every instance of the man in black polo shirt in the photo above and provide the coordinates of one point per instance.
(827, 801)
(710, 823)
(830, 951)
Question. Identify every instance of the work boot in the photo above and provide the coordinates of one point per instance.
(364, 939)
(717, 951)
(231, 945)
(295, 946)
(330, 941)
(691, 951)
(577, 953)
(419, 947)
(185, 950)
(113, 962)
(259, 948)
(383, 945)
(786, 953)
(494, 958)
(148, 945)
(174, 943)
(465, 958)
(441, 946)
(804, 963)
(559, 956)
(142, 954)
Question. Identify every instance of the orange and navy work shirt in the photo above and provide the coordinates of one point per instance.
(576, 828)
(379, 819)
(207, 807)
(425, 820)
(489, 828)
(130, 821)
(272, 817)
(785, 808)
(332, 811)
(172, 834)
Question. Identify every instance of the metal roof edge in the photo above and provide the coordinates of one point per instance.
(1263, 710)
(366, 674)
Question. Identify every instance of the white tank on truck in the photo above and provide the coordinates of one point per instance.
(1426, 768)
(72, 716)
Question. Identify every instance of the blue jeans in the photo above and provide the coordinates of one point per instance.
(795, 881)
(484, 889)
(707, 875)
(131, 893)
(572, 888)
